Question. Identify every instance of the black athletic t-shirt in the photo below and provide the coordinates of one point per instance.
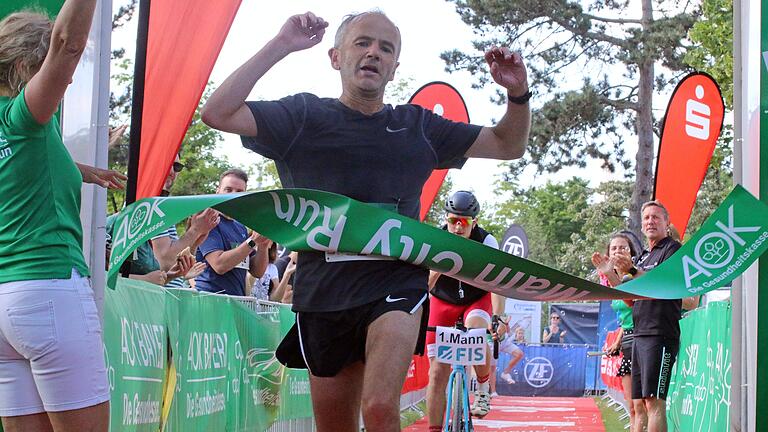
(455, 291)
(657, 317)
(384, 158)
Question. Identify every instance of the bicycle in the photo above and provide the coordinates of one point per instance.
(457, 417)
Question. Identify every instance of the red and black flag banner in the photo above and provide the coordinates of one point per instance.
(178, 43)
(445, 100)
(691, 128)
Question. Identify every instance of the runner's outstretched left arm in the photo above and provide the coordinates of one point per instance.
(506, 140)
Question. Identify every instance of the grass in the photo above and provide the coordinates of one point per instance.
(611, 416)
(411, 415)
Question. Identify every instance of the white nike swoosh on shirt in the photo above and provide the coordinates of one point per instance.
(389, 299)
(395, 130)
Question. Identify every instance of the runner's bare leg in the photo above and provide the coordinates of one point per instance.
(336, 400)
(388, 352)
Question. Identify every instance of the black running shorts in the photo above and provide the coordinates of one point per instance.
(652, 361)
(326, 342)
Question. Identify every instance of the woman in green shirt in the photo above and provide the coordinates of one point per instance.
(52, 373)
(620, 244)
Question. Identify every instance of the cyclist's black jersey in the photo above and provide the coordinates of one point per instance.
(455, 291)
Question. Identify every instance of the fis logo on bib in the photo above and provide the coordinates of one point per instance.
(448, 354)
(720, 253)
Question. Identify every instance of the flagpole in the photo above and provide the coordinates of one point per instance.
(137, 105)
(738, 412)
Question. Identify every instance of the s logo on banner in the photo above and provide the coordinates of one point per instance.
(538, 372)
(697, 116)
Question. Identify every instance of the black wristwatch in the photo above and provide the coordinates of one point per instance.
(520, 100)
(632, 271)
(251, 243)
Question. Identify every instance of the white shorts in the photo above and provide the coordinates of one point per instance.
(51, 350)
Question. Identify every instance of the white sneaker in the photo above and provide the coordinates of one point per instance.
(494, 394)
(508, 378)
(482, 404)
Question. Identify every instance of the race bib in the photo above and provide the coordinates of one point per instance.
(456, 347)
(341, 257)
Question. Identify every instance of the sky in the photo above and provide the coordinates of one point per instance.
(428, 28)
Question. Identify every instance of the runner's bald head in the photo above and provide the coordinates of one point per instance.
(348, 19)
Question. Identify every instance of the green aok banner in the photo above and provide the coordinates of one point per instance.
(135, 350)
(700, 388)
(227, 376)
(301, 219)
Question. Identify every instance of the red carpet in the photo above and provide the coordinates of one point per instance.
(540, 414)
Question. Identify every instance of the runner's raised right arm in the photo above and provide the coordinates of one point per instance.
(226, 110)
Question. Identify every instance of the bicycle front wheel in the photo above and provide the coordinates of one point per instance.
(457, 414)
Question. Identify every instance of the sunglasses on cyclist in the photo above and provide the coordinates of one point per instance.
(177, 167)
(466, 221)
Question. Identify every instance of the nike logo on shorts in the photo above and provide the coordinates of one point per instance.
(390, 130)
(389, 299)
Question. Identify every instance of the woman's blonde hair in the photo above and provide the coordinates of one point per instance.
(24, 40)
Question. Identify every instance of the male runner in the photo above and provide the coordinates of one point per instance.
(358, 322)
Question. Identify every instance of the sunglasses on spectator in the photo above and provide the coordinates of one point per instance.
(177, 167)
(466, 221)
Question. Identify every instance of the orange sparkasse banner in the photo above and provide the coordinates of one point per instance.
(184, 40)
(443, 99)
(692, 126)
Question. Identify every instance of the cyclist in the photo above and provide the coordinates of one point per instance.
(451, 298)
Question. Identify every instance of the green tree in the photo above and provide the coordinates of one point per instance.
(605, 215)
(712, 52)
(565, 222)
(550, 214)
(592, 66)
(712, 49)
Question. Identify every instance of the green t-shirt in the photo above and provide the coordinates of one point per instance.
(40, 232)
(625, 314)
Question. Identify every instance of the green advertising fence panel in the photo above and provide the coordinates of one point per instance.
(700, 390)
(225, 374)
(135, 342)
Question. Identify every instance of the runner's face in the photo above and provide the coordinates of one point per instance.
(231, 184)
(655, 223)
(618, 246)
(367, 55)
(460, 225)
